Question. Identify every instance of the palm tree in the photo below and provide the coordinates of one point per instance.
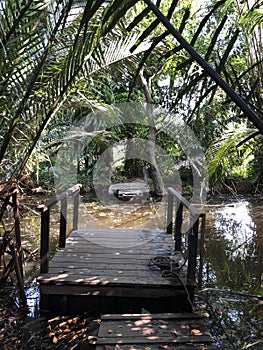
(49, 47)
(238, 152)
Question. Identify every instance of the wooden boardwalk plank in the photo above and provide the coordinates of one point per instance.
(185, 331)
(83, 261)
(113, 263)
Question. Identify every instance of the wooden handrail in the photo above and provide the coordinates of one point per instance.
(174, 226)
(44, 209)
(182, 200)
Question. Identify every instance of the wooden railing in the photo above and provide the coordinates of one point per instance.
(177, 204)
(44, 209)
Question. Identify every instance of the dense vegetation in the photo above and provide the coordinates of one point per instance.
(60, 60)
(66, 67)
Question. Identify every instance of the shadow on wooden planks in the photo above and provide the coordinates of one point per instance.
(165, 331)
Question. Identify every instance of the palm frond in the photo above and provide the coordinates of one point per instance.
(63, 58)
(227, 151)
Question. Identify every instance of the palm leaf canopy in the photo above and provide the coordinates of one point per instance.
(48, 47)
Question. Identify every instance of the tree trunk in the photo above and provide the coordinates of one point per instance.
(158, 186)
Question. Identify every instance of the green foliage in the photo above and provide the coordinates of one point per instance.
(46, 55)
(55, 67)
(234, 155)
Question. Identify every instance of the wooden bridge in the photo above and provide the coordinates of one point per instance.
(148, 274)
(100, 270)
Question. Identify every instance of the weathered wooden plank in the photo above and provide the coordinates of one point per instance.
(155, 316)
(123, 245)
(102, 259)
(87, 261)
(85, 268)
(113, 280)
(140, 328)
(113, 275)
(146, 325)
(151, 292)
(125, 235)
(88, 230)
(153, 277)
(191, 339)
(115, 263)
(121, 235)
(111, 272)
(97, 264)
(87, 249)
(154, 331)
(156, 346)
(142, 238)
(125, 280)
(119, 244)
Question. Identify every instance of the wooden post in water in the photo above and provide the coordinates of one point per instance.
(169, 225)
(44, 239)
(17, 231)
(202, 244)
(63, 221)
(19, 273)
(76, 200)
(45, 222)
(178, 228)
(192, 244)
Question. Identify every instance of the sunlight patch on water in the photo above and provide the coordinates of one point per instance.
(235, 223)
(234, 245)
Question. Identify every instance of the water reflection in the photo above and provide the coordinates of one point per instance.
(234, 245)
(33, 297)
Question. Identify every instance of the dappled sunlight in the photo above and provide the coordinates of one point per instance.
(162, 331)
(142, 321)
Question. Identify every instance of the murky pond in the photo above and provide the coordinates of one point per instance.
(233, 272)
(233, 258)
(234, 245)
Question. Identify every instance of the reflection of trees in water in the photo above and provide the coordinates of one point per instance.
(257, 217)
(234, 246)
(236, 318)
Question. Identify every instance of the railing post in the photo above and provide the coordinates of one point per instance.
(17, 231)
(192, 254)
(19, 273)
(76, 201)
(63, 221)
(44, 239)
(202, 243)
(178, 228)
(45, 222)
(169, 225)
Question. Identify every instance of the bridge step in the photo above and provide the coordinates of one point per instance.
(167, 331)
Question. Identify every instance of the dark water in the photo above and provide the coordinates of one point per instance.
(234, 245)
(233, 271)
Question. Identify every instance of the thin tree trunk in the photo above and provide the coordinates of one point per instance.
(158, 186)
